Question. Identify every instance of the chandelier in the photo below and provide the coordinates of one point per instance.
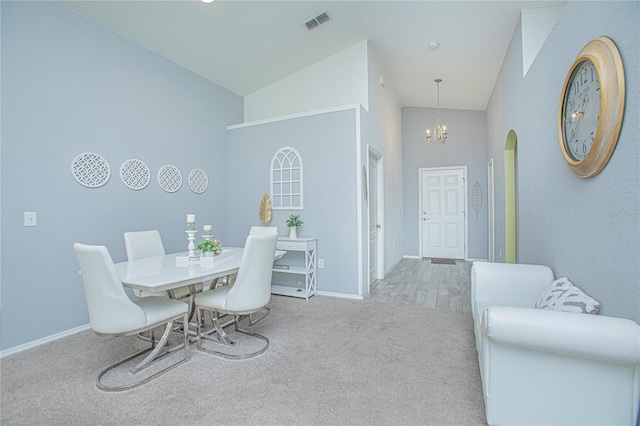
(439, 130)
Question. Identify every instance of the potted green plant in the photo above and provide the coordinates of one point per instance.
(209, 247)
(294, 222)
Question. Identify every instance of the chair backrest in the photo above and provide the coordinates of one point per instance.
(143, 244)
(252, 289)
(263, 230)
(110, 310)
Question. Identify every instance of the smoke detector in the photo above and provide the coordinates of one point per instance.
(433, 45)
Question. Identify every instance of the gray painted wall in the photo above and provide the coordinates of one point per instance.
(585, 229)
(70, 86)
(327, 144)
(466, 146)
(384, 134)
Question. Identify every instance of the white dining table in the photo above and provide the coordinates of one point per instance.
(161, 273)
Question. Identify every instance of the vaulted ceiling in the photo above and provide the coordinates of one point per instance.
(247, 45)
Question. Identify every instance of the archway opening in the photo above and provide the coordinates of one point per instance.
(510, 175)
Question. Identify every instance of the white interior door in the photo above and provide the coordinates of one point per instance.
(490, 212)
(374, 225)
(442, 213)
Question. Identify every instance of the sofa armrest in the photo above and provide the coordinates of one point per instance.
(509, 284)
(588, 336)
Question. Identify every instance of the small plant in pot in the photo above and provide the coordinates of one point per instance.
(294, 222)
(209, 247)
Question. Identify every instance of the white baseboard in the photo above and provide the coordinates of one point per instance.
(36, 343)
(341, 295)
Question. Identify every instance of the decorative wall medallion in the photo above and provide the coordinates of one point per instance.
(135, 174)
(169, 178)
(365, 185)
(90, 169)
(198, 181)
(476, 198)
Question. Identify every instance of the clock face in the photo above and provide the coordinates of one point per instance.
(581, 110)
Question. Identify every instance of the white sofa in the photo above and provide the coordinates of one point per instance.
(544, 367)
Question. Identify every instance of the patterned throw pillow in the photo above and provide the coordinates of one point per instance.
(564, 296)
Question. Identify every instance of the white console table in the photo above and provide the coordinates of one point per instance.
(295, 273)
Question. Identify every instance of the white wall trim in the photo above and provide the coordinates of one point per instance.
(297, 115)
(359, 201)
(47, 339)
(340, 295)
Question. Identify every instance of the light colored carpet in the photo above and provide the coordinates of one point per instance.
(331, 362)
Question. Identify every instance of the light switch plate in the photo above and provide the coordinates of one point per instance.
(30, 219)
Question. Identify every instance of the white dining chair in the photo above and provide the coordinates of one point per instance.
(113, 313)
(263, 230)
(250, 294)
(143, 244)
(231, 278)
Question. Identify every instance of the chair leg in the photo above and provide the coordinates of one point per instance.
(251, 333)
(225, 340)
(212, 315)
(154, 349)
(217, 328)
(206, 334)
(252, 322)
(144, 338)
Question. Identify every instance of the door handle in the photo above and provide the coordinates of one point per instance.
(378, 226)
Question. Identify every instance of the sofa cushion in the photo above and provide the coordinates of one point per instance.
(564, 296)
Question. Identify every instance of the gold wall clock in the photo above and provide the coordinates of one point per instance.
(592, 107)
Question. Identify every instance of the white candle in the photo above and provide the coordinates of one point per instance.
(191, 222)
(207, 229)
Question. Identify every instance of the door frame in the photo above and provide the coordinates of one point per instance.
(465, 207)
(510, 197)
(491, 206)
(379, 160)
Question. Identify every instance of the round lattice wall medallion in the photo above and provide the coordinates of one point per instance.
(198, 181)
(170, 178)
(90, 169)
(135, 174)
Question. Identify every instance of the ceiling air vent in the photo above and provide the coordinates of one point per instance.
(317, 21)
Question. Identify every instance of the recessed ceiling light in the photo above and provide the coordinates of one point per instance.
(207, 1)
(433, 45)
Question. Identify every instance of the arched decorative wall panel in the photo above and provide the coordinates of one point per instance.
(287, 179)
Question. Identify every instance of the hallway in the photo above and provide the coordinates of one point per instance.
(419, 282)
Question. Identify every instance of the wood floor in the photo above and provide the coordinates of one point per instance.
(419, 282)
